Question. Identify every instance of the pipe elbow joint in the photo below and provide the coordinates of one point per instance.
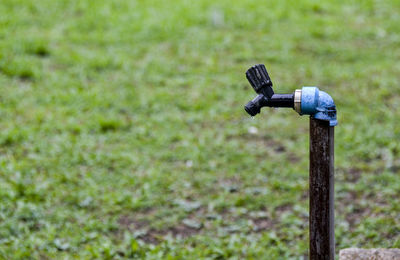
(318, 104)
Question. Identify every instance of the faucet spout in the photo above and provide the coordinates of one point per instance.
(276, 100)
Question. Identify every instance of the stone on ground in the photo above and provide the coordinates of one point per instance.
(369, 254)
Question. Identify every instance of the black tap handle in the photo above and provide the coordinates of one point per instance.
(260, 80)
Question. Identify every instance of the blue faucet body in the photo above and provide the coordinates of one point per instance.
(318, 104)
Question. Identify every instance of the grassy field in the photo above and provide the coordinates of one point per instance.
(123, 133)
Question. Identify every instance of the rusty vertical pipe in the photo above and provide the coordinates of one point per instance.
(322, 237)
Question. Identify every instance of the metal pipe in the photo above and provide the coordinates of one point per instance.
(281, 100)
(322, 234)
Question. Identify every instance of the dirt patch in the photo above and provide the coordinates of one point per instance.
(231, 184)
(182, 231)
(261, 221)
(357, 213)
(142, 229)
(131, 223)
(201, 220)
(360, 207)
(353, 175)
(154, 236)
(265, 141)
(354, 217)
(263, 224)
(293, 158)
(278, 147)
(283, 208)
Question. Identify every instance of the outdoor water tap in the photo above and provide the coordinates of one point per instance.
(322, 110)
(305, 101)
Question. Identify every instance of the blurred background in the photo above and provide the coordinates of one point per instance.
(123, 133)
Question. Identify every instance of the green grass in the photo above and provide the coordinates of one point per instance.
(123, 133)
